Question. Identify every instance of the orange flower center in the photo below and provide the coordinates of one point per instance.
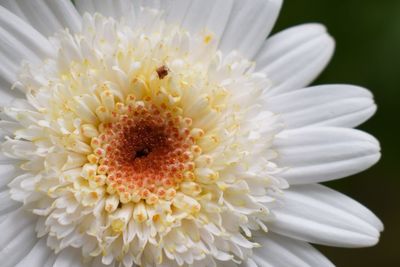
(147, 152)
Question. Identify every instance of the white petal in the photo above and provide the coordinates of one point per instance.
(325, 105)
(340, 201)
(317, 154)
(236, 27)
(249, 24)
(251, 263)
(7, 173)
(293, 58)
(66, 13)
(17, 237)
(153, 4)
(208, 16)
(277, 250)
(14, 8)
(315, 214)
(18, 247)
(7, 95)
(106, 8)
(112, 8)
(47, 16)
(38, 255)
(14, 222)
(97, 262)
(50, 261)
(68, 257)
(6, 203)
(176, 11)
(285, 41)
(86, 6)
(19, 42)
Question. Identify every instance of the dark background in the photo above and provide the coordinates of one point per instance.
(367, 34)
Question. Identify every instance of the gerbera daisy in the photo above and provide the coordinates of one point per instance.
(173, 133)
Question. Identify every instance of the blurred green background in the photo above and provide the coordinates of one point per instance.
(367, 34)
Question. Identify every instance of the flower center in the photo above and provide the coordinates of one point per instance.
(145, 153)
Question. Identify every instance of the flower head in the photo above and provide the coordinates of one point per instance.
(144, 138)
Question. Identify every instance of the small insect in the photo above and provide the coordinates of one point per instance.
(162, 72)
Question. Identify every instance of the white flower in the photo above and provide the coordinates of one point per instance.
(170, 133)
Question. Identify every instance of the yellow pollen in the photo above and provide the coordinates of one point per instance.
(208, 38)
(118, 225)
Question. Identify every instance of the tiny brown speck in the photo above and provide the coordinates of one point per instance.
(162, 72)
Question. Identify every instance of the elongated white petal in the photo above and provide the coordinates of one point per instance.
(38, 256)
(278, 250)
(86, 6)
(106, 8)
(35, 43)
(249, 24)
(251, 263)
(293, 58)
(162, 5)
(7, 95)
(18, 247)
(47, 16)
(176, 10)
(287, 40)
(317, 154)
(326, 105)
(7, 173)
(40, 16)
(66, 13)
(236, 27)
(116, 9)
(206, 16)
(6, 203)
(50, 261)
(24, 42)
(14, 8)
(97, 263)
(17, 236)
(319, 215)
(209, 16)
(14, 222)
(67, 258)
(112, 8)
(339, 201)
